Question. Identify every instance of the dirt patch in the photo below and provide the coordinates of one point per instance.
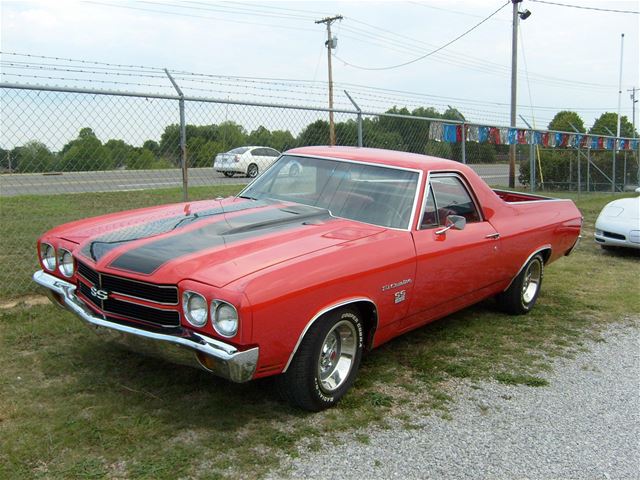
(29, 301)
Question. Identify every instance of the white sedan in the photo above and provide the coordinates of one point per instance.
(249, 161)
(618, 225)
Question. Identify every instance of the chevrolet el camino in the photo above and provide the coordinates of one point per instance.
(297, 276)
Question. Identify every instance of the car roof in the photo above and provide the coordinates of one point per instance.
(379, 156)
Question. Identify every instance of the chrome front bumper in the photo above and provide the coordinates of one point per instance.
(187, 347)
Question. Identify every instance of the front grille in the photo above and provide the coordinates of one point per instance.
(164, 294)
(159, 294)
(165, 318)
(88, 273)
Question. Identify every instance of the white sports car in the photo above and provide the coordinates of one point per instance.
(618, 224)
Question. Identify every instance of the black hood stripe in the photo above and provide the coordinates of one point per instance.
(147, 258)
(100, 246)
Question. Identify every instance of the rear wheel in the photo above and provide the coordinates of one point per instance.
(325, 365)
(252, 171)
(522, 294)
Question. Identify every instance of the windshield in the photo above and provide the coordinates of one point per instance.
(368, 193)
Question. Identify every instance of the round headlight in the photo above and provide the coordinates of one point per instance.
(224, 318)
(194, 306)
(66, 263)
(48, 256)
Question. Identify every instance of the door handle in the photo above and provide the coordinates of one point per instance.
(495, 236)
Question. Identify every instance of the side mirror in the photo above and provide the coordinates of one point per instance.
(456, 222)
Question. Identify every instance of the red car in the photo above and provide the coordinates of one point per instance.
(297, 276)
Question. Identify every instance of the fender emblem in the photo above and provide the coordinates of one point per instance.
(99, 294)
(400, 296)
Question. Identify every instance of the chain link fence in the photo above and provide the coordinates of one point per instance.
(116, 151)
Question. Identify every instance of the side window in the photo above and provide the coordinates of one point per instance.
(270, 152)
(448, 196)
(258, 152)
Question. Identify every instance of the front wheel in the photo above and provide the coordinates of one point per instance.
(522, 294)
(325, 365)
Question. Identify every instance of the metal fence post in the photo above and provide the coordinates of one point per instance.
(359, 117)
(464, 143)
(613, 172)
(588, 168)
(579, 172)
(532, 162)
(183, 140)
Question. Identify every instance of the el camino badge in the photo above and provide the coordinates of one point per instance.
(99, 294)
(401, 283)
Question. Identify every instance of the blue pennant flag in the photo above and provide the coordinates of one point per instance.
(449, 133)
(483, 134)
(537, 138)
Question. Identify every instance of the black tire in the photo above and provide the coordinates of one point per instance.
(326, 363)
(252, 171)
(522, 294)
(229, 174)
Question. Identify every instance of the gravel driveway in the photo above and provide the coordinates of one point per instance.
(584, 425)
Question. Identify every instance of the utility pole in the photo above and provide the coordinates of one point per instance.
(331, 44)
(514, 75)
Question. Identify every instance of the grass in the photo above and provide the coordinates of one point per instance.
(74, 407)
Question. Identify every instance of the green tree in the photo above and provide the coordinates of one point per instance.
(260, 136)
(119, 152)
(438, 149)
(33, 156)
(152, 146)
(316, 133)
(170, 143)
(563, 121)
(609, 120)
(85, 153)
(282, 140)
(231, 135)
(202, 152)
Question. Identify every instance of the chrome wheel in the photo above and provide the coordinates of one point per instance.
(532, 280)
(337, 356)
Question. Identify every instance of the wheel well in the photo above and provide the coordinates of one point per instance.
(368, 313)
(546, 254)
(369, 316)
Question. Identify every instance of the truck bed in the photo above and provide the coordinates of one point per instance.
(514, 197)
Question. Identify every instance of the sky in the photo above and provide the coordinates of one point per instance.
(568, 58)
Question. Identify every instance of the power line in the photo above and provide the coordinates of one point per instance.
(427, 54)
(190, 15)
(582, 7)
(457, 12)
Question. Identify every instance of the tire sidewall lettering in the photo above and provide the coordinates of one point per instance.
(321, 395)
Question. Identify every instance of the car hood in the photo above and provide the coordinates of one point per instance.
(214, 242)
(623, 209)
